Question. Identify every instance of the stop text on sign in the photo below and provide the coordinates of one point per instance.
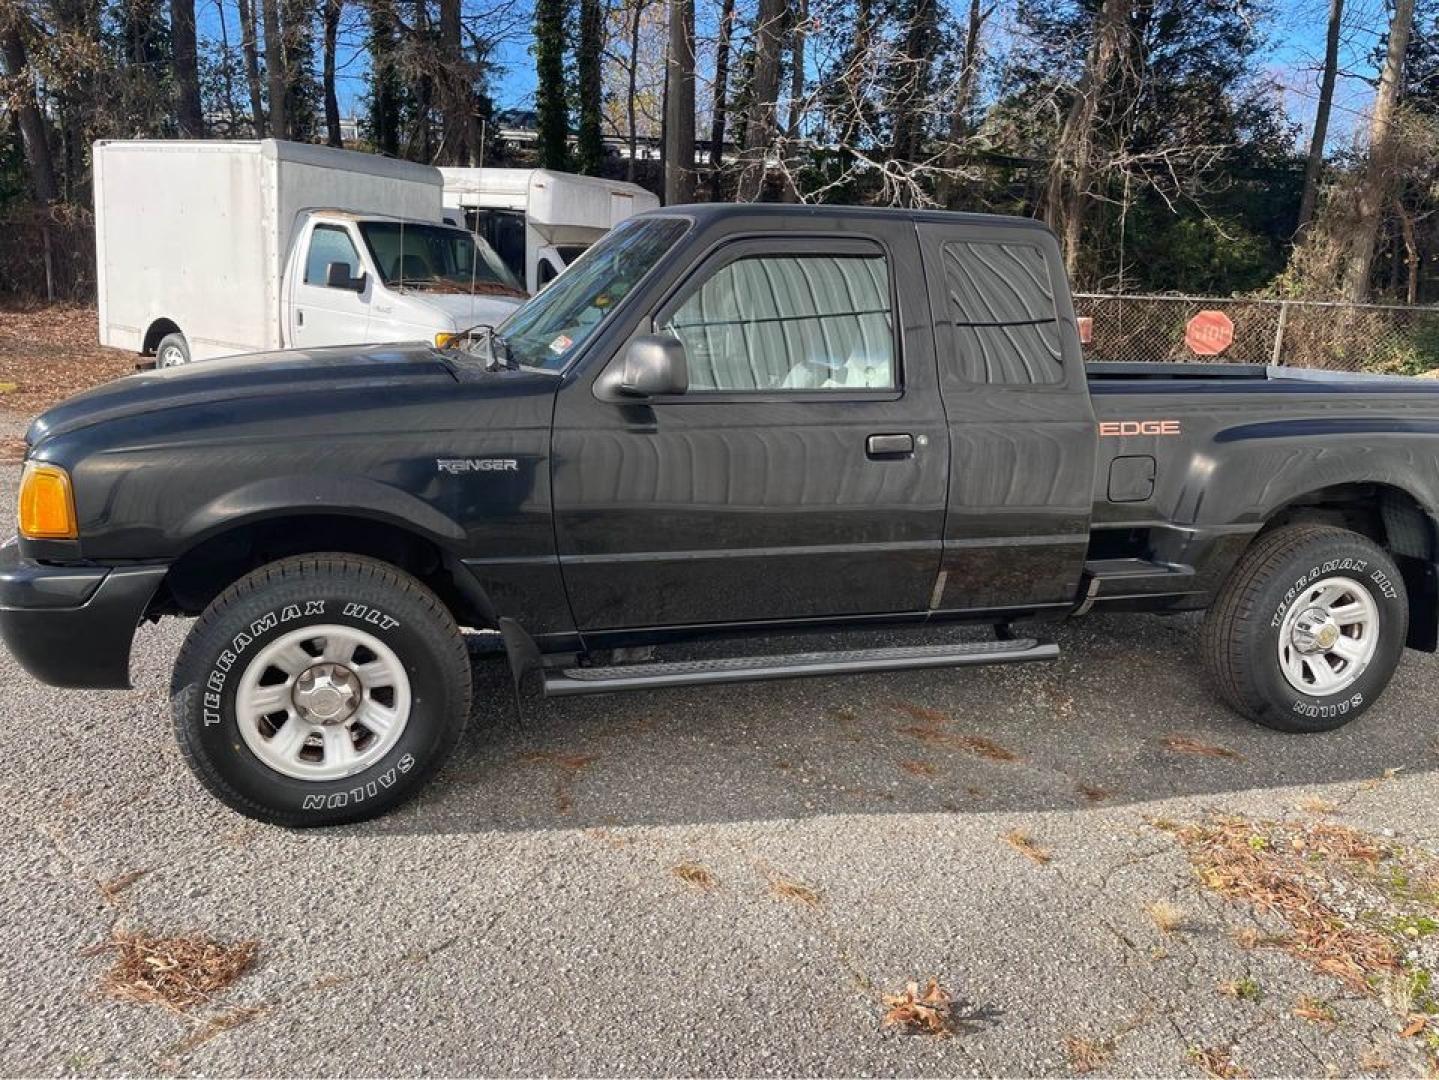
(1209, 333)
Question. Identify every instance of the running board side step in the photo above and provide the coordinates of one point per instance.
(608, 680)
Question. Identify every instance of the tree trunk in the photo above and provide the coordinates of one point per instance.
(552, 115)
(1377, 182)
(232, 114)
(455, 84)
(1412, 260)
(913, 84)
(589, 69)
(717, 108)
(1315, 164)
(327, 74)
(188, 110)
(763, 92)
(1067, 196)
(631, 90)
(852, 79)
(27, 113)
(275, 67)
(959, 125)
(680, 105)
(384, 98)
(796, 98)
(249, 48)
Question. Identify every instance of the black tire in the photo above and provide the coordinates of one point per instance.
(169, 345)
(1241, 636)
(331, 589)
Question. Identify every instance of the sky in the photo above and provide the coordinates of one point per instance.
(1296, 30)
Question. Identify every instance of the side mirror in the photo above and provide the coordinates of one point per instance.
(337, 276)
(653, 366)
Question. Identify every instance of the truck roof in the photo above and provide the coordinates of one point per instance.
(705, 212)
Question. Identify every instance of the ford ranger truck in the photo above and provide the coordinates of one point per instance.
(720, 420)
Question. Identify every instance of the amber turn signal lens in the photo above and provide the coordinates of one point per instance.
(47, 507)
(444, 341)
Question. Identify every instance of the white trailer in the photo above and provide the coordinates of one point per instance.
(539, 221)
(206, 248)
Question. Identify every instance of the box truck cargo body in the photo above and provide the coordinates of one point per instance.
(537, 220)
(207, 248)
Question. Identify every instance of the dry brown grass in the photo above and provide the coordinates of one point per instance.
(175, 972)
(696, 875)
(49, 353)
(1085, 1054)
(1183, 744)
(1026, 845)
(929, 1013)
(797, 892)
(1168, 918)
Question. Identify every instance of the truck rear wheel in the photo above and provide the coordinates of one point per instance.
(320, 690)
(173, 351)
(1308, 629)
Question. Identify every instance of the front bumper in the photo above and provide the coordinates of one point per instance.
(73, 625)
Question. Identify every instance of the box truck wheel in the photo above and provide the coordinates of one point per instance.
(1307, 629)
(320, 690)
(172, 351)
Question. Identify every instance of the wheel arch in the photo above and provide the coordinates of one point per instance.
(156, 331)
(218, 557)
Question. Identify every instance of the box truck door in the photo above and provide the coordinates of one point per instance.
(325, 311)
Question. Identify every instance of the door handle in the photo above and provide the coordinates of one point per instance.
(299, 317)
(889, 445)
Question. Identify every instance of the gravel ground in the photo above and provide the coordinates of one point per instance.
(524, 915)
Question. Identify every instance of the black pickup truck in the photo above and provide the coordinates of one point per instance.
(721, 420)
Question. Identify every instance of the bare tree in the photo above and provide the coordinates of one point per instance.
(250, 50)
(327, 74)
(188, 110)
(680, 105)
(28, 115)
(275, 67)
(964, 94)
(800, 16)
(1377, 182)
(1071, 170)
(759, 131)
(718, 102)
(1315, 163)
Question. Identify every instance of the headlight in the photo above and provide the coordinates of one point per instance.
(47, 505)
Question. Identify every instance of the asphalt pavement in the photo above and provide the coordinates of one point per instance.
(525, 915)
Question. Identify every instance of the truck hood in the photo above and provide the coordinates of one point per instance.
(235, 377)
(467, 311)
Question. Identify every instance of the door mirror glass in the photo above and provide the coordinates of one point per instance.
(653, 366)
(337, 276)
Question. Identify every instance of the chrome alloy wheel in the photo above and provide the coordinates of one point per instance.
(170, 356)
(1328, 636)
(323, 702)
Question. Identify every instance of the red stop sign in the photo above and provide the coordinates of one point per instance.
(1209, 333)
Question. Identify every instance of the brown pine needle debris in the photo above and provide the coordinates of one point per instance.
(932, 718)
(1313, 804)
(1025, 844)
(1183, 744)
(1167, 918)
(1297, 872)
(918, 768)
(696, 875)
(175, 972)
(1093, 794)
(1315, 1011)
(217, 1025)
(794, 890)
(12, 451)
(1215, 1062)
(111, 888)
(1086, 1054)
(930, 1013)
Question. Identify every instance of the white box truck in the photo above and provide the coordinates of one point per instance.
(207, 248)
(537, 220)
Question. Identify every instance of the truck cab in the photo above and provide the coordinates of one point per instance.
(352, 279)
(538, 220)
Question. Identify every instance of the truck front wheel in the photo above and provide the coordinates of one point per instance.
(1308, 629)
(173, 351)
(320, 690)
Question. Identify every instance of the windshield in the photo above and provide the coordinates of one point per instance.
(436, 257)
(547, 331)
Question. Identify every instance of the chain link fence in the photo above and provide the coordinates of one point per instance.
(1298, 333)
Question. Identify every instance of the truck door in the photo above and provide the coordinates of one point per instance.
(321, 314)
(803, 473)
(1021, 427)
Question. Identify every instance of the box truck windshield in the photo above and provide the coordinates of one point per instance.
(436, 258)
